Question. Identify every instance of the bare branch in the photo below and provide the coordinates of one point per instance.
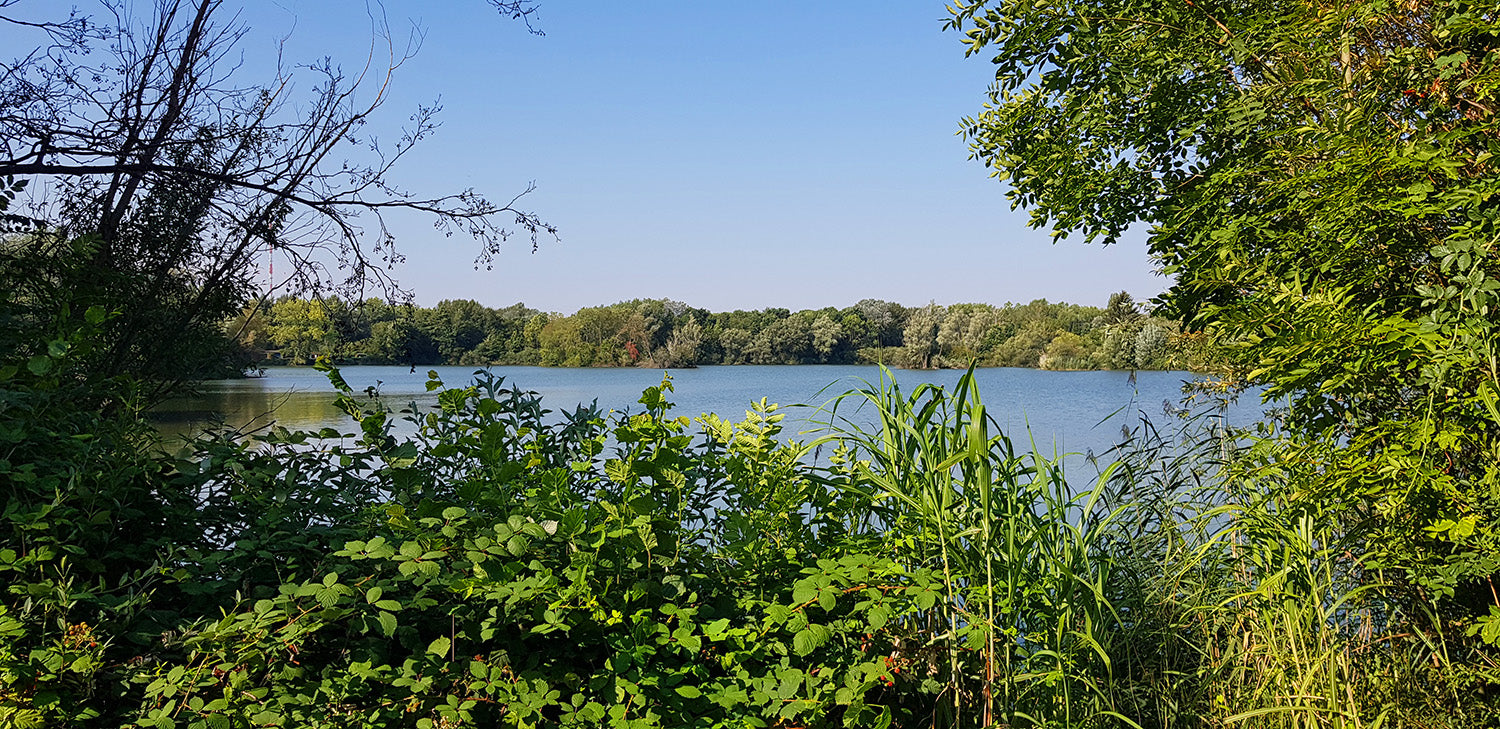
(134, 127)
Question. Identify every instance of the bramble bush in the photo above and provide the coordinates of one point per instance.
(519, 571)
(501, 566)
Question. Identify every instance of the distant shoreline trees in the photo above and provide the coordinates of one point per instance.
(662, 333)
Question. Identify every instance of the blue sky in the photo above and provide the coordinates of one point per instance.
(730, 155)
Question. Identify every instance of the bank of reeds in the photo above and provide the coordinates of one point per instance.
(1176, 589)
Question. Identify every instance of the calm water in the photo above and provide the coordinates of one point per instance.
(1066, 411)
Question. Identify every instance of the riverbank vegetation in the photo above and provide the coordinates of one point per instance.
(509, 566)
(1319, 180)
(663, 334)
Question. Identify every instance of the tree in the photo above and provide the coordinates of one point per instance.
(251, 330)
(792, 339)
(532, 331)
(1152, 345)
(1121, 308)
(681, 349)
(921, 336)
(826, 334)
(163, 173)
(886, 320)
(638, 333)
(1026, 346)
(456, 327)
(1117, 347)
(759, 349)
(734, 343)
(1320, 181)
(301, 329)
(561, 343)
(1064, 352)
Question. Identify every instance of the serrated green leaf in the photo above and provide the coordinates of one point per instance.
(387, 623)
(828, 599)
(804, 642)
(39, 365)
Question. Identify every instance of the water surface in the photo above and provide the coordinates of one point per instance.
(1062, 411)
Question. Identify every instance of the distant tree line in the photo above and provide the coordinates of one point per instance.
(663, 333)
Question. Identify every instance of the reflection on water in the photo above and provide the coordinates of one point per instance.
(246, 409)
(295, 401)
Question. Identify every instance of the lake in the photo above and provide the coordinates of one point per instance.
(1065, 412)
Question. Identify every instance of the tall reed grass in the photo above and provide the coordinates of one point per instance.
(1176, 589)
(1024, 631)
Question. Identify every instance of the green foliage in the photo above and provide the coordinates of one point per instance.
(1021, 621)
(666, 334)
(516, 568)
(49, 282)
(301, 329)
(89, 522)
(1320, 182)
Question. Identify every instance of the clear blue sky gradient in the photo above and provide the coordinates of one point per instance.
(729, 155)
